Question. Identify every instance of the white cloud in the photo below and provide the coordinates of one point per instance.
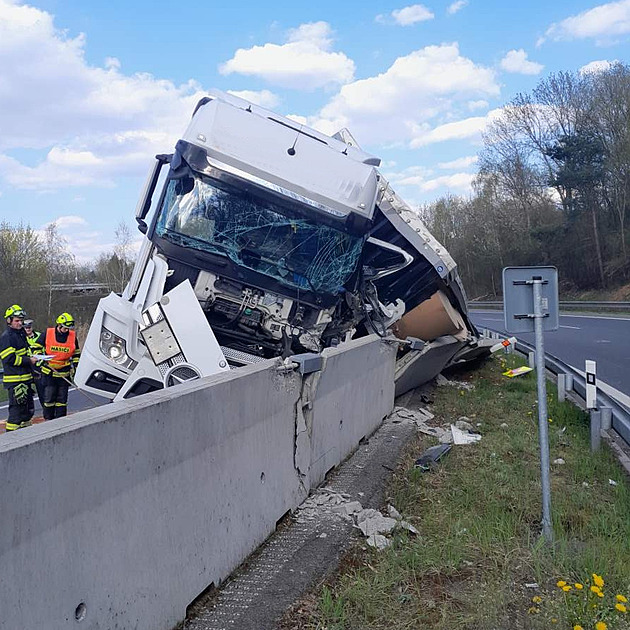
(466, 129)
(305, 61)
(481, 104)
(423, 179)
(68, 220)
(597, 66)
(456, 6)
(264, 98)
(516, 61)
(407, 16)
(463, 162)
(392, 106)
(602, 23)
(461, 182)
(91, 123)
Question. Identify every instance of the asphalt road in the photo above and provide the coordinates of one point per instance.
(605, 340)
(77, 401)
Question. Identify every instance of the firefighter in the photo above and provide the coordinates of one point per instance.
(61, 344)
(36, 345)
(18, 373)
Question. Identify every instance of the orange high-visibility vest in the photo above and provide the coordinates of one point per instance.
(62, 352)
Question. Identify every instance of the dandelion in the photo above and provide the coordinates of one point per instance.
(579, 586)
(554, 620)
(578, 628)
(600, 594)
(595, 589)
(533, 611)
(537, 599)
(550, 419)
(561, 583)
(566, 588)
(600, 625)
(598, 579)
(621, 598)
(621, 608)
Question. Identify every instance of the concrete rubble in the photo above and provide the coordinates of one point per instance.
(442, 381)
(372, 524)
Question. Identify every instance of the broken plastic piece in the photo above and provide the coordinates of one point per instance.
(519, 371)
(432, 456)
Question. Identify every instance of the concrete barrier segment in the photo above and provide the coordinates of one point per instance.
(124, 514)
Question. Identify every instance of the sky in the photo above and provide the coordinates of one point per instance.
(91, 90)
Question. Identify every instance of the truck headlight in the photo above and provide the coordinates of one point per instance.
(115, 349)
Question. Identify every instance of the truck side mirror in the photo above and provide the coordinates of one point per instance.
(144, 203)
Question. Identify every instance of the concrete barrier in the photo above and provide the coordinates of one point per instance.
(120, 516)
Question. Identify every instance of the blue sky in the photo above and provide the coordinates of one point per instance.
(91, 90)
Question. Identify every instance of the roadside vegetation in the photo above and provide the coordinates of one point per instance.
(552, 187)
(34, 262)
(479, 561)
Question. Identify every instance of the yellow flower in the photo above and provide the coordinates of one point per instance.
(550, 419)
(579, 586)
(554, 620)
(621, 598)
(600, 594)
(578, 628)
(561, 583)
(600, 625)
(621, 608)
(566, 588)
(595, 589)
(598, 579)
(537, 599)
(533, 610)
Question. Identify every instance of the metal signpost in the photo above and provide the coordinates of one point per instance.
(530, 304)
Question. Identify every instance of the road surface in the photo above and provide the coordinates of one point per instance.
(76, 402)
(605, 340)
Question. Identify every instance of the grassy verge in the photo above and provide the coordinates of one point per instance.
(479, 521)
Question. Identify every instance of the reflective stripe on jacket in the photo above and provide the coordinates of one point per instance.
(14, 355)
(36, 343)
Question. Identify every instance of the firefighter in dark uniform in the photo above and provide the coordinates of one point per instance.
(18, 373)
(61, 343)
(36, 345)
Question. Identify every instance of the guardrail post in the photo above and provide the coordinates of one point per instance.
(568, 382)
(531, 359)
(591, 384)
(562, 391)
(596, 429)
(606, 418)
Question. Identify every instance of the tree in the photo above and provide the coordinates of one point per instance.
(59, 262)
(114, 268)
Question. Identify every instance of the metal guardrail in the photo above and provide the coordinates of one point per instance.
(568, 305)
(620, 413)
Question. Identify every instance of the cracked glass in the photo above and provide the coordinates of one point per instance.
(203, 214)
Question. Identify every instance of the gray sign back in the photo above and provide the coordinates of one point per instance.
(518, 298)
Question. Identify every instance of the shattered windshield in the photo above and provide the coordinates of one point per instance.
(250, 231)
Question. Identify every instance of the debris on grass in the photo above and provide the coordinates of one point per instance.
(519, 371)
(442, 381)
(429, 459)
(463, 437)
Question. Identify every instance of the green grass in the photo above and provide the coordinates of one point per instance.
(3, 394)
(479, 521)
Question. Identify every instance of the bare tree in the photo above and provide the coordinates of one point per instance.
(59, 261)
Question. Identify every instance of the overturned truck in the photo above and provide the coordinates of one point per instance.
(264, 238)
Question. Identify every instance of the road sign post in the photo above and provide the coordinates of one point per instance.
(530, 304)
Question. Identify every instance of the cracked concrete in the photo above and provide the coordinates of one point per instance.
(311, 544)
